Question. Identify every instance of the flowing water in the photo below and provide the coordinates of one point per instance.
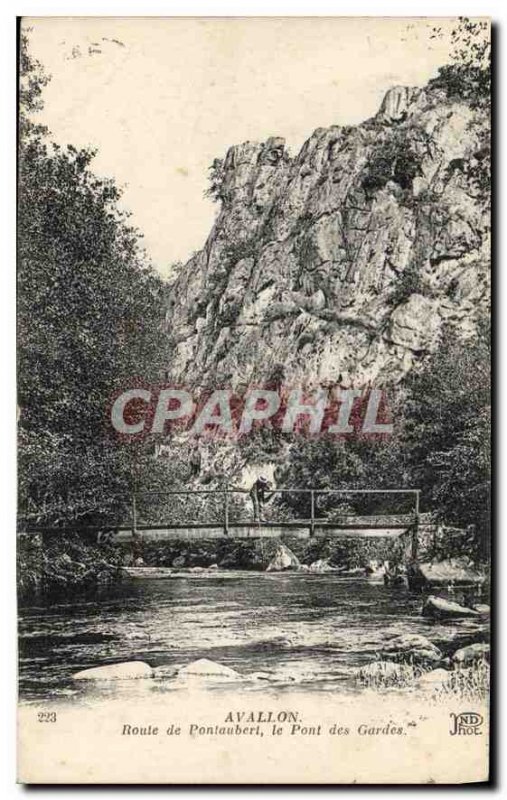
(302, 630)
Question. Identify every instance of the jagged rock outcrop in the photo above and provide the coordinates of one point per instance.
(343, 263)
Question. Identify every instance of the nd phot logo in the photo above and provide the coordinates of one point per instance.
(467, 723)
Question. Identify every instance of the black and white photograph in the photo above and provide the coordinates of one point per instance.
(254, 399)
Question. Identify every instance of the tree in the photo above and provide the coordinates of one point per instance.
(215, 180)
(447, 433)
(90, 319)
(468, 75)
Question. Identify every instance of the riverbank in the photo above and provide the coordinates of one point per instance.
(64, 564)
(346, 553)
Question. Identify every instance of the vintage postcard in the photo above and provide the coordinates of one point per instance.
(254, 400)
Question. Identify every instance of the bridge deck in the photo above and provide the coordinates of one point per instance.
(263, 530)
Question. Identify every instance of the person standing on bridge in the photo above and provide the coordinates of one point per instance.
(259, 496)
(195, 462)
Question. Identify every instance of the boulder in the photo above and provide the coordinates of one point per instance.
(468, 655)
(284, 559)
(204, 668)
(445, 574)
(439, 608)
(127, 670)
(322, 565)
(413, 648)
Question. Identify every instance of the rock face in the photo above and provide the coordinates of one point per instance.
(283, 560)
(340, 264)
(127, 670)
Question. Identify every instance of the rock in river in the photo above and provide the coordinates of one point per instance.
(439, 608)
(126, 670)
(322, 565)
(284, 559)
(204, 668)
(443, 574)
(467, 655)
(411, 648)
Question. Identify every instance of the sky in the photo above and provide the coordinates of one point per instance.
(160, 98)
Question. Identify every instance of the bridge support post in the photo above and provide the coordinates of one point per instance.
(226, 511)
(312, 512)
(134, 515)
(415, 530)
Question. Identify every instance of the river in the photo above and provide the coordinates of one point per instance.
(305, 631)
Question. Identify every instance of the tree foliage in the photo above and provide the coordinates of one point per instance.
(441, 445)
(447, 432)
(215, 180)
(468, 75)
(90, 312)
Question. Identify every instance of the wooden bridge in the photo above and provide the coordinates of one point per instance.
(228, 524)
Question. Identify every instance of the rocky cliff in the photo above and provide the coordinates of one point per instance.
(343, 263)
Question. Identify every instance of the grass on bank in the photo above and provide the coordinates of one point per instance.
(464, 683)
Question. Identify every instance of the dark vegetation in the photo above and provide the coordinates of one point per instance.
(90, 312)
(254, 554)
(468, 76)
(63, 563)
(394, 159)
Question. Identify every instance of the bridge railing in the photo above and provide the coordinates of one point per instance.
(230, 506)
